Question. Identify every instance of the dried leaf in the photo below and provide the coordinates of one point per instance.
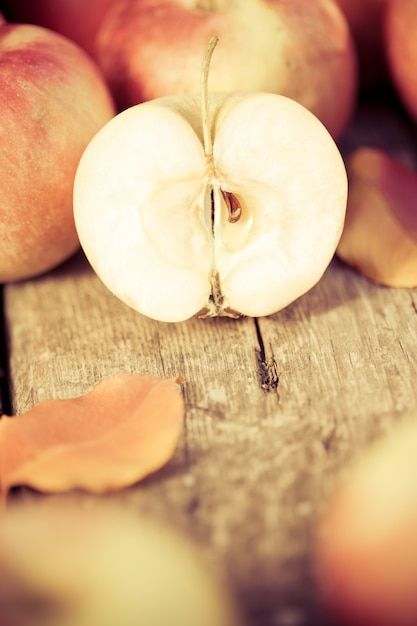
(380, 235)
(124, 429)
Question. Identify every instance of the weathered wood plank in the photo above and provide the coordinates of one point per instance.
(75, 332)
(253, 467)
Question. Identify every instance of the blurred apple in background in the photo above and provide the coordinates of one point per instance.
(401, 45)
(366, 20)
(76, 19)
(300, 49)
(53, 99)
(62, 564)
(366, 544)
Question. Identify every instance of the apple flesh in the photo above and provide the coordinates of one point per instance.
(300, 49)
(53, 100)
(176, 230)
(401, 45)
(76, 19)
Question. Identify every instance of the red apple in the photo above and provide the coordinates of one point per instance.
(53, 99)
(401, 44)
(366, 18)
(366, 544)
(298, 48)
(76, 19)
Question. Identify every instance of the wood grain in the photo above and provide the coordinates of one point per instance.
(254, 467)
(275, 407)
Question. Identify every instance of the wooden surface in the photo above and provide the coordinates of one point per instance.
(275, 407)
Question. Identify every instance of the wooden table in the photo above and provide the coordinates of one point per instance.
(275, 407)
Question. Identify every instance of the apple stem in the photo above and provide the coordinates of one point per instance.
(207, 138)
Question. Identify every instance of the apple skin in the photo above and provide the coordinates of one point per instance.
(366, 21)
(303, 50)
(76, 19)
(401, 45)
(365, 553)
(53, 101)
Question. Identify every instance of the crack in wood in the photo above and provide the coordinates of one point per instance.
(413, 304)
(267, 365)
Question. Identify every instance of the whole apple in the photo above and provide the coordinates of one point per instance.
(401, 45)
(365, 549)
(366, 21)
(76, 19)
(53, 100)
(300, 49)
(65, 564)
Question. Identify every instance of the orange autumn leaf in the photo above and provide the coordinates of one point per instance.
(124, 429)
(379, 238)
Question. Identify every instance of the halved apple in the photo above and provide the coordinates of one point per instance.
(227, 204)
